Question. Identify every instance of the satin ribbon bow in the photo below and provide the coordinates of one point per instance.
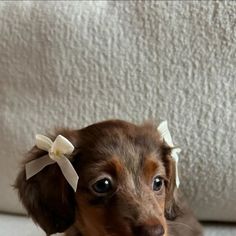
(165, 134)
(57, 153)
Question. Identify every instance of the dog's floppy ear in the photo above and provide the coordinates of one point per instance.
(47, 196)
(172, 209)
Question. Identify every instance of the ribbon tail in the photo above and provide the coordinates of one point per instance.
(68, 171)
(176, 159)
(35, 166)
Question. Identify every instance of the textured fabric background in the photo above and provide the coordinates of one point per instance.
(72, 64)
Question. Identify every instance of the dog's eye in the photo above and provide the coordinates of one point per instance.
(102, 186)
(157, 183)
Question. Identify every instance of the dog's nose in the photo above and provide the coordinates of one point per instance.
(149, 230)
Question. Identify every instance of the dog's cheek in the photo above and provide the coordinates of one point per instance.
(90, 218)
(110, 215)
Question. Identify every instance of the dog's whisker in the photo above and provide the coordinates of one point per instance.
(179, 224)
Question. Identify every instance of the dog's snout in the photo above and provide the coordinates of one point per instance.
(149, 230)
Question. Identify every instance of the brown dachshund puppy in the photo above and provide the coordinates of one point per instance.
(126, 186)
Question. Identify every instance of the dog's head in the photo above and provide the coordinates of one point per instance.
(126, 185)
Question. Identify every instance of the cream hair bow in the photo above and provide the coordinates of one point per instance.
(58, 151)
(165, 134)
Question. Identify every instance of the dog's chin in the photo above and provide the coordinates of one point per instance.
(106, 232)
(116, 225)
(120, 230)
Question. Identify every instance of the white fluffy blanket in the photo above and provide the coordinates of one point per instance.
(75, 63)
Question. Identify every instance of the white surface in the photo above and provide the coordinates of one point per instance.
(219, 230)
(11, 225)
(71, 64)
(21, 226)
(18, 226)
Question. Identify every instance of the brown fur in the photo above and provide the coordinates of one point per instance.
(131, 156)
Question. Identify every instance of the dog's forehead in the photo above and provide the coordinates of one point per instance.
(125, 141)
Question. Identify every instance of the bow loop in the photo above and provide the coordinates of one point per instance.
(43, 142)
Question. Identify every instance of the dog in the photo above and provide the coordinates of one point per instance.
(126, 186)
